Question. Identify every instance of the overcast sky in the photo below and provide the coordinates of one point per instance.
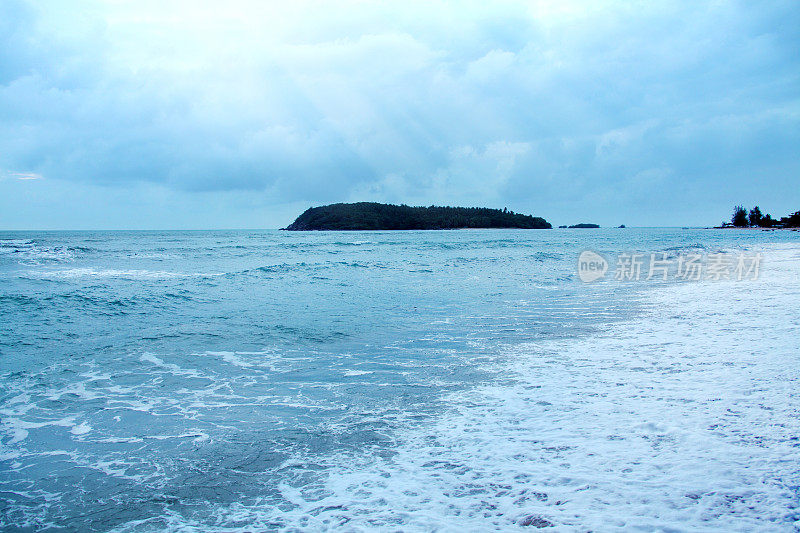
(241, 114)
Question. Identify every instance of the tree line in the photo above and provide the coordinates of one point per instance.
(756, 219)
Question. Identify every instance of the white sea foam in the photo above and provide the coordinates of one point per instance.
(685, 417)
(19, 429)
(70, 273)
(151, 358)
(351, 373)
(231, 358)
(81, 429)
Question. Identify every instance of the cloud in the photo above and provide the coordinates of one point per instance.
(568, 105)
(26, 176)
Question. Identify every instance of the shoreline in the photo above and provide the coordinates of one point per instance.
(753, 229)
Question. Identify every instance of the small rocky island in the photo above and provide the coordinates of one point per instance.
(377, 216)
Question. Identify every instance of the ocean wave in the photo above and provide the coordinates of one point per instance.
(19, 299)
(351, 243)
(17, 243)
(305, 267)
(31, 252)
(547, 256)
(89, 272)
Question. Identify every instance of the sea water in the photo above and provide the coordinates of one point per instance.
(409, 381)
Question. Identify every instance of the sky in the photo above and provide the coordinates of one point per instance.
(170, 114)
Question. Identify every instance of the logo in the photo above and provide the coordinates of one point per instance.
(591, 266)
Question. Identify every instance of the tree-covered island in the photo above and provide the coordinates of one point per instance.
(377, 216)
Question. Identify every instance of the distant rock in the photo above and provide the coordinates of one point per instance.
(376, 216)
(585, 226)
(562, 226)
(621, 226)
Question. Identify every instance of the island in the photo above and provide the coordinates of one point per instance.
(584, 225)
(377, 216)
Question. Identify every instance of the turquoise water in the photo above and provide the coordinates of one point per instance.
(162, 379)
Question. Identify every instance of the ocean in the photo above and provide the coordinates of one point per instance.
(396, 381)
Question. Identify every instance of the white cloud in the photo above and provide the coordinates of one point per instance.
(26, 176)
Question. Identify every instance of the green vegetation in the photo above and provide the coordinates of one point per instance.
(739, 218)
(792, 221)
(375, 216)
(585, 225)
(756, 219)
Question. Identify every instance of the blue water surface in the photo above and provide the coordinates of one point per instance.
(170, 374)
